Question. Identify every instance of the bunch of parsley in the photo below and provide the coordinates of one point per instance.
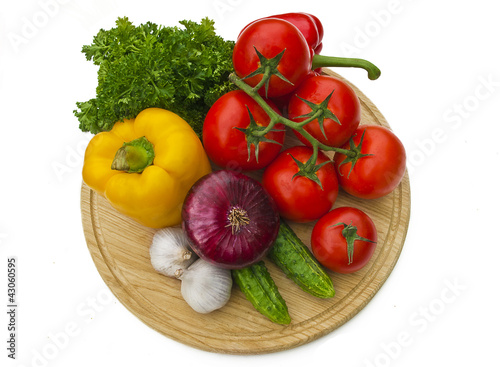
(183, 70)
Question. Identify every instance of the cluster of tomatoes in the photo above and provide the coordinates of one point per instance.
(369, 161)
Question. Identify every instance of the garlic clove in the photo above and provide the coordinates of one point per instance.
(205, 287)
(170, 252)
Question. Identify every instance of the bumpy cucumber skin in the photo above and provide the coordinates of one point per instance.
(259, 288)
(292, 256)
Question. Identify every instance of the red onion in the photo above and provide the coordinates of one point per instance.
(230, 220)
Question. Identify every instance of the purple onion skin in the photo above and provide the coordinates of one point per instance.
(205, 219)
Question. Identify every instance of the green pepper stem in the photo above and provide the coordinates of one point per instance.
(134, 156)
(331, 61)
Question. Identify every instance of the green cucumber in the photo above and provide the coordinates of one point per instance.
(292, 256)
(259, 288)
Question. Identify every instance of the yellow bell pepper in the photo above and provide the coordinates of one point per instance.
(145, 166)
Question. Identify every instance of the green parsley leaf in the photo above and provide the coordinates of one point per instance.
(181, 69)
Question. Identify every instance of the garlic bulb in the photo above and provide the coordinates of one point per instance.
(170, 252)
(206, 287)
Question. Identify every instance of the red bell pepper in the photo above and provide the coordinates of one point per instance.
(309, 25)
(276, 47)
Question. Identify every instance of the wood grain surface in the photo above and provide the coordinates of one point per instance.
(120, 250)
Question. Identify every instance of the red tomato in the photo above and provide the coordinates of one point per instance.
(344, 240)
(377, 174)
(343, 103)
(299, 198)
(227, 146)
(270, 36)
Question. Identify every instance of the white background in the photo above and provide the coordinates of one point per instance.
(440, 92)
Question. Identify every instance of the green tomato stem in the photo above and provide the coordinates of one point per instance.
(331, 61)
(308, 120)
(267, 74)
(350, 233)
(314, 156)
(276, 118)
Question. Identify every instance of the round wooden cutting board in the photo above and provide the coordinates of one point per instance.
(120, 249)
